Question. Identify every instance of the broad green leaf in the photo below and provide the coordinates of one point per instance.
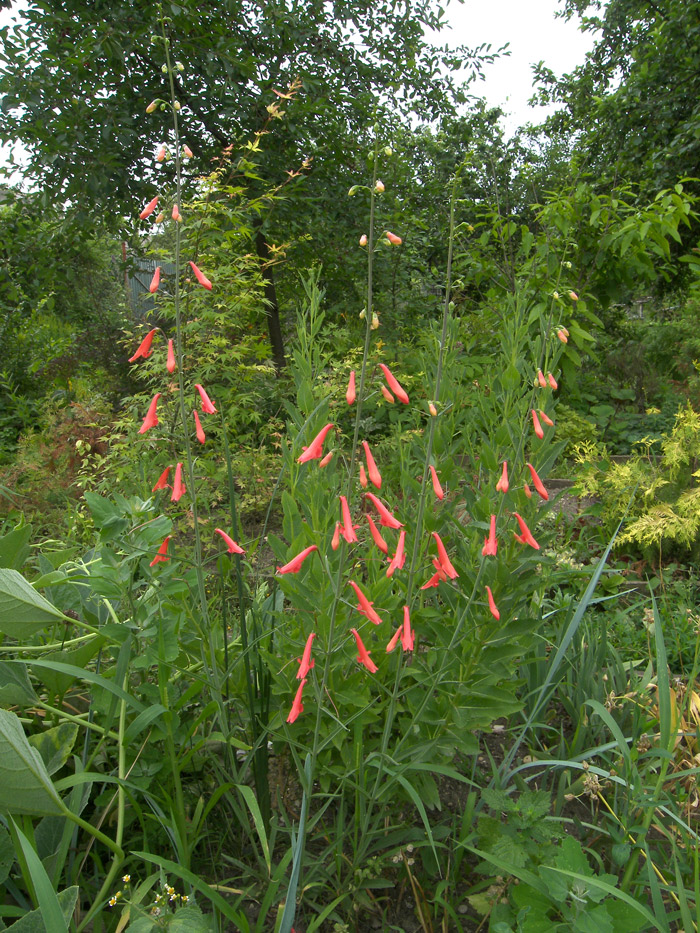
(55, 745)
(59, 681)
(15, 687)
(14, 547)
(23, 611)
(33, 922)
(190, 919)
(25, 786)
(7, 854)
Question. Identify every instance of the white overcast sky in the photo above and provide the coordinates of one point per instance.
(533, 34)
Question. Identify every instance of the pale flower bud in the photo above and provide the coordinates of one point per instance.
(161, 154)
(375, 320)
(363, 240)
(363, 314)
(152, 106)
(187, 151)
(433, 410)
(179, 66)
(573, 296)
(555, 296)
(388, 151)
(176, 105)
(393, 239)
(352, 191)
(379, 187)
(164, 69)
(160, 218)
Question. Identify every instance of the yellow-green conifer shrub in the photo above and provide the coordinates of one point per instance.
(664, 476)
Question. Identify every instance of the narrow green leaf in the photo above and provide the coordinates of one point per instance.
(49, 905)
(249, 797)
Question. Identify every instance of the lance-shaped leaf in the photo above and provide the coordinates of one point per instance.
(23, 611)
(25, 785)
(15, 686)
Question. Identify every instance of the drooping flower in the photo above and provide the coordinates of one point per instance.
(179, 488)
(393, 642)
(350, 393)
(324, 461)
(540, 378)
(374, 475)
(492, 604)
(348, 529)
(162, 554)
(407, 634)
(160, 218)
(573, 296)
(201, 277)
(297, 706)
(387, 395)
(207, 404)
(152, 106)
(503, 485)
(399, 558)
(386, 519)
(552, 382)
(392, 238)
(490, 548)
(176, 213)
(187, 152)
(162, 482)
(315, 449)
(161, 154)
(231, 545)
(363, 240)
(364, 482)
(364, 605)
(171, 362)
(335, 540)
(377, 536)
(294, 565)
(201, 436)
(527, 490)
(563, 336)
(394, 384)
(307, 662)
(526, 536)
(547, 420)
(536, 425)
(437, 578)
(537, 482)
(144, 349)
(155, 281)
(437, 488)
(149, 208)
(445, 562)
(151, 419)
(363, 654)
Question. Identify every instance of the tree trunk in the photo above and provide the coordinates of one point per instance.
(272, 310)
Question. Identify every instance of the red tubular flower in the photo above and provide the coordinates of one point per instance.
(294, 565)
(490, 548)
(492, 604)
(395, 639)
(563, 336)
(407, 634)
(297, 706)
(207, 404)
(176, 213)
(149, 208)
(364, 605)
(231, 545)
(350, 394)
(374, 475)
(394, 384)
(307, 662)
(179, 488)
(363, 655)
(503, 485)
(377, 536)
(171, 362)
(162, 554)
(187, 152)
(324, 461)
(151, 419)
(552, 382)
(201, 277)
(155, 281)
(161, 154)
(526, 536)
(536, 425)
(315, 449)
(387, 395)
(201, 436)
(547, 420)
(386, 519)
(438, 577)
(335, 541)
(363, 477)
(162, 482)
(540, 378)
(399, 558)
(392, 238)
(537, 482)
(437, 488)
(348, 529)
(144, 349)
(444, 559)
